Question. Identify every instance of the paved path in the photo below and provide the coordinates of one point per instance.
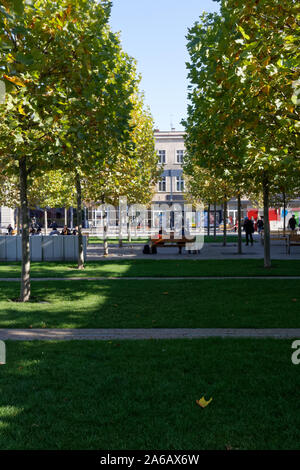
(183, 278)
(154, 333)
(209, 251)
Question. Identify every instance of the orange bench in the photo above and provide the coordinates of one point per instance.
(171, 241)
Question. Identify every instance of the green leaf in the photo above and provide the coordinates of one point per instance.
(245, 36)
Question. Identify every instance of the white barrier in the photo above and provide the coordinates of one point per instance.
(42, 248)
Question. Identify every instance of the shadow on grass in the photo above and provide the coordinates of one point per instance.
(154, 304)
(157, 268)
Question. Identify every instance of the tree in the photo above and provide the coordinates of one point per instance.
(60, 61)
(27, 126)
(99, 90)
(242, 115)
(134, 170)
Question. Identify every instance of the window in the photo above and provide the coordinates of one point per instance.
(179, 184)
(179, 156)
(162, 156)
(162, 184)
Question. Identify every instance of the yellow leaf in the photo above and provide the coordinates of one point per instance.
(10, 58)
(266, 89)
(266, 61)
(14, 80)
(21, 110)
(202, 402)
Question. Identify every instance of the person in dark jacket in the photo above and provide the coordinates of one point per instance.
(292, 223)
(249, 229)
(65, 231)
(260, 225)
(10, 229)
(53, 225)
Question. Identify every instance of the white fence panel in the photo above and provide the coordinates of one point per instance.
(42, 248)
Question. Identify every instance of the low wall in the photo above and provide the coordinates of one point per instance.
(42, 248)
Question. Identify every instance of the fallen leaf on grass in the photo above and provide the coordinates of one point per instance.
(202, 402)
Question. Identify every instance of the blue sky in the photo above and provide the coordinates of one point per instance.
(153, 32)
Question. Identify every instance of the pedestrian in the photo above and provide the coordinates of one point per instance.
(54, 231)
(75, 231)
(53, 224)
(292, 223)
(249, 229)
(34, 225)
(65, 231)
(9, 229)
(260, 225)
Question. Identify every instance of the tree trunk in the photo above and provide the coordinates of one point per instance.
(18, 220)
(215, 220)
(129, 230)
(66, 216)
(239, 225)
(105, 244)
(85, 218)
(284, 216)
(208, 220)
(79, 223)
(224, 222)
(25, 277)
(267, 243)
(71, 218)
(120, 229)
(45, 221)
(105, 228)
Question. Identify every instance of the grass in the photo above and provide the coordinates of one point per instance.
(142, 395)
(157, 268)
(160, 304)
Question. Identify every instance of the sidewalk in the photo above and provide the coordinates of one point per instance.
(209, 251)
(141, 334)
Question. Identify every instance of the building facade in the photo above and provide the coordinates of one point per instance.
(7, 216)
(170, 148)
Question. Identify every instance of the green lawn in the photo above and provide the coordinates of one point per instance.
(142, 395)
(157, 268)
(145, 304)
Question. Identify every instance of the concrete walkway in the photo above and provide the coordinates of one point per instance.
(136, 334)
(209, 251)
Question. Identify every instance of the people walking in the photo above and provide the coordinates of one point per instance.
(292, 223)
(9, 229)
(260, 225)
(249, 229)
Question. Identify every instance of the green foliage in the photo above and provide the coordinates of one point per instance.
(135, 168)
(243, 120)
